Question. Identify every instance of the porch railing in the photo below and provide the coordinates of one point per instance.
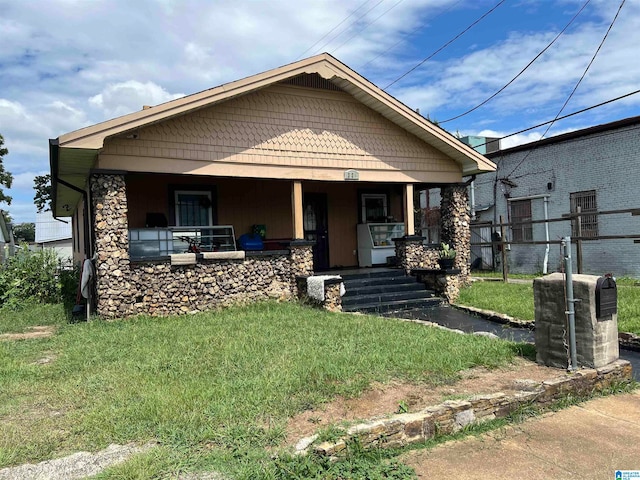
(160, 242)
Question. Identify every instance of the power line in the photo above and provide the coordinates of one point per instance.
(352, 23)
(446, 44)
(574, 89)
(369, 24)
(635, 92)
(521, 71)
(330, 31)
(410, 34)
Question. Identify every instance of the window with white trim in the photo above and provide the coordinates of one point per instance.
(193, 208)
(521, 229)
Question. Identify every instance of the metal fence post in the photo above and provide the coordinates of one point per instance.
(571, 314)
(503, 243)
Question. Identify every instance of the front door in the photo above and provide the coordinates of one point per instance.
(316, 228)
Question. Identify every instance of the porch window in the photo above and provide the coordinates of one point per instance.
(520, 216)
(588, 223)
(374, 207)
(193, 208)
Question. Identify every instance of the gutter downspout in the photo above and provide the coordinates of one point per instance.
(545, 262)
(472, 199)
(54, 152)
(472, 195)
(545, 196)
(85, 199)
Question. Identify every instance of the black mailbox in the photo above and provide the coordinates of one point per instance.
(606, 296)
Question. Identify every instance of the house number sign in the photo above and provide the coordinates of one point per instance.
(351, 175)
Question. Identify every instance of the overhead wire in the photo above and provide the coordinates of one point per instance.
(635, 92)
(343, 31)
(521, 71)
(445, 45)
(604, 38)
(368, 25)
(408, 35)
(334, 28)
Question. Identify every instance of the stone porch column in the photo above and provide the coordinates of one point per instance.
(109, 199)
(301, 261)
(454, 225)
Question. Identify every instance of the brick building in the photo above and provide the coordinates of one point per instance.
(595, 168)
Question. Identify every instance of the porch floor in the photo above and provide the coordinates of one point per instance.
(359, 270)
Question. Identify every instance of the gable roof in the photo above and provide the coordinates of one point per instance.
(72, 155)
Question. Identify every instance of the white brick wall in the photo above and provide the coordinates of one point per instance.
(607, 162)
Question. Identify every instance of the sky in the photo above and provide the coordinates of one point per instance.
(66, 64)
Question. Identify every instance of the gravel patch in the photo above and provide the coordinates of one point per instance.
(78, 465)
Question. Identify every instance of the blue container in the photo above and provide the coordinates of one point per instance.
(250, 241)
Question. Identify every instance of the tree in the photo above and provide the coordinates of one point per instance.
(42, 186)
(24, 232)
(6, 179)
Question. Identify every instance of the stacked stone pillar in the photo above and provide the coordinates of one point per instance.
(455, 225)
(301, 258)
(109, 200)
(412, 253)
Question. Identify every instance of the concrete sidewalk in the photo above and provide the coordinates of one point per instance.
(589, 441)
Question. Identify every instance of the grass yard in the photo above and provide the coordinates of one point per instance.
(215, 390)
(516, 300)
(36, 314)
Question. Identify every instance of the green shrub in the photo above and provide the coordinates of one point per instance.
(29, 277)
(69, 278)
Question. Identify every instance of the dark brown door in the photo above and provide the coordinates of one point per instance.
(314, 216)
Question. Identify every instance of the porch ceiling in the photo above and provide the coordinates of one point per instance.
(75, 153)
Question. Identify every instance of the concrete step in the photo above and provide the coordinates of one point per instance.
(386, 297)
(378, 307)
(355, 290)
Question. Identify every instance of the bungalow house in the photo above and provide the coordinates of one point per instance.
(306, 152)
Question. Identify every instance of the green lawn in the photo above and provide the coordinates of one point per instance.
(215, 390)
(516, 300)
(36, 314)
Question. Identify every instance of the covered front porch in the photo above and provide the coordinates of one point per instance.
(178, 281)
(165, 210)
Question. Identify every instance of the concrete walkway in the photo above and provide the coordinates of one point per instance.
(589, 441)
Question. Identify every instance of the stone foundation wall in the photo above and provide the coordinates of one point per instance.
(162, 289)
(453, 415)
(159, 288)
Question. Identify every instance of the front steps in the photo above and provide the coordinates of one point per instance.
(381, 291)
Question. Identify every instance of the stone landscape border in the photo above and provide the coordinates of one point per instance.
(629, 341)
(454, 415)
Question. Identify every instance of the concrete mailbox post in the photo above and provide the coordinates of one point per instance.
(596, 320)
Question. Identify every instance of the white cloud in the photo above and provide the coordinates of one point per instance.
(126, 97)
(108, 58)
